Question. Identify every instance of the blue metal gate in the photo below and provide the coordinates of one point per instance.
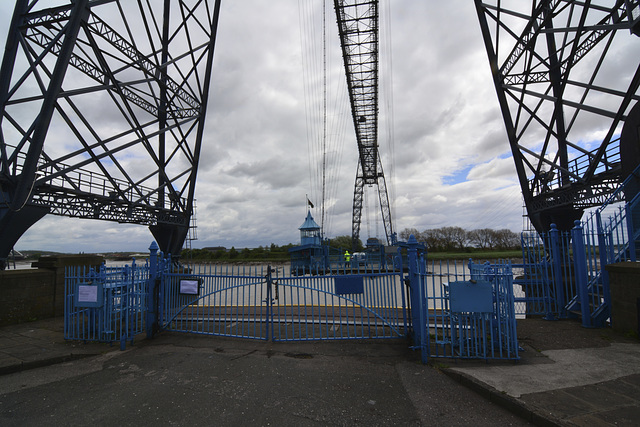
(446, 317)
(455, 315)
(215, 300)
(331, 307)
(266, 303)
(107, 305)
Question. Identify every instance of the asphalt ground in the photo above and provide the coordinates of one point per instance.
(567, 375)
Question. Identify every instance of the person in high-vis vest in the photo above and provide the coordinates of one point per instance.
(347, 258)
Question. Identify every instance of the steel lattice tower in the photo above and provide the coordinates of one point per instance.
(103, 106)
(552, 63)
(358, 30)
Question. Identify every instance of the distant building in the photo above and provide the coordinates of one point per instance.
(311, 255)
(309, 231)
(216, 249)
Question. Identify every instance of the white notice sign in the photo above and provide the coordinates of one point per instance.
(189, 287)
(87, 293)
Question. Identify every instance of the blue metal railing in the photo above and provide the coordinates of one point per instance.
(108, 305)
(564, 273)
(578, 166)
(600, 241)
(370, 305)
(229, 301)
(116, 304)
(455, 314)
(266, 303)
(548, 276)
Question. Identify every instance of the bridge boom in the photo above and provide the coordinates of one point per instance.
(358, 28)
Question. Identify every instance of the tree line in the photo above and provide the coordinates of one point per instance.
(272, 252)
(450, 239)
(445, 239)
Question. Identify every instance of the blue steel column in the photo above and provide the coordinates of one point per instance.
(556, 271)
(152, 300)
(9, 58)
(631, 232)
(24, 185)
(504, 105)
(580, 265)
(16, 217)
(418, 300)
(269, 302)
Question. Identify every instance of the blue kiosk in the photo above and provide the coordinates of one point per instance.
(311, 256)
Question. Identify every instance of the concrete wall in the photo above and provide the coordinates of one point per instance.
(27, 295)
(624, 280)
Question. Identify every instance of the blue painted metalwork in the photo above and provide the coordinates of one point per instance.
(564, 273)
(604, 241)
(271, 305)
(443, 327)
(232, 301)
(580, 263)
(309, 231)
(504, 340)
(313, 254)
(318, 257)
(345, 285)
(152, 294)
(313, 259)
(114, 306)
(309, 308)
(548, 276)
(471, 296)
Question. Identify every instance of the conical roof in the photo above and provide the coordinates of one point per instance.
(309, 223)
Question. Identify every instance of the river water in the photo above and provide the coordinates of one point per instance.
(439, 273)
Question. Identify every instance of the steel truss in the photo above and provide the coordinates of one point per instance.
(552, 63)
(103, 108)
(358, 30)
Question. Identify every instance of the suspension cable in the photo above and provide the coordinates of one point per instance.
(324, 112)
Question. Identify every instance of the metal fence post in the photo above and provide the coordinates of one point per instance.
(630, 233)
(556, 271)
(269, 301)
(580, 265)
(418, 300)
(152, 300)
(604, 259)
(405, 291)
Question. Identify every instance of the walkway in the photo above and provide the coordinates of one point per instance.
(568, 375)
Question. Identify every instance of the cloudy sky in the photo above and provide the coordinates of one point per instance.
(445, 151)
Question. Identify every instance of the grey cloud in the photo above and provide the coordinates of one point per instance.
(254, 167)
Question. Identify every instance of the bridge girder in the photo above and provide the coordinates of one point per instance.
(103, 109)
(551, 63)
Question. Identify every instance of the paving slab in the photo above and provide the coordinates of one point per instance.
(569, 368)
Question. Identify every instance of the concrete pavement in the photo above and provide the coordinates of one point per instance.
(568, 375)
